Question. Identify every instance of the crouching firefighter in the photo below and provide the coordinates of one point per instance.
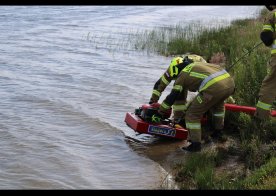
(172, 72)
(214, 86)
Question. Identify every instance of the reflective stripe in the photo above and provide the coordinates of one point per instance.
(267, 27)
(199, 99)
(178, 87)
(193, 126)
(173, 70)
(188, 68)
(198, 75)
(165, 80)
(212, 79)
(221, 114)
(263, 105)
(156, 92)
(164, 105)
(179, 107)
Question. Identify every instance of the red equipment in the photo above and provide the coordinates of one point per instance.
(140, 121)
(246, 109)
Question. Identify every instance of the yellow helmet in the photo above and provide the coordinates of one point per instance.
(195, 58)
(180, 62)
(174, 69)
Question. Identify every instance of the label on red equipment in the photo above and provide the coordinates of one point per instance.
(161, 131)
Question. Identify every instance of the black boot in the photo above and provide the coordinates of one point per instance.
(218, 136)
(207, 139)
(193, 147)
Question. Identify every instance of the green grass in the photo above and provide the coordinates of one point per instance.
(261, 178)
(198, 171)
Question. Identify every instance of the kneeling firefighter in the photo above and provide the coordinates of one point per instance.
(214, 86)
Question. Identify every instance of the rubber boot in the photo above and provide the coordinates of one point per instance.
(193, 147)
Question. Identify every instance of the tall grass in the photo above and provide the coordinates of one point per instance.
(233, 41)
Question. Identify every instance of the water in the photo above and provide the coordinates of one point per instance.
(66, 83)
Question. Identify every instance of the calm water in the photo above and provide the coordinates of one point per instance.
(66, 83)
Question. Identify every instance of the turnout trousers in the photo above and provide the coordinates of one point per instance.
(179, 106)
(267, 92)
(203, 102)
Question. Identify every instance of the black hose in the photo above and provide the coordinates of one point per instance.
(230, 67)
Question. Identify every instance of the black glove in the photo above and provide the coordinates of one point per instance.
(152, 101)
(267, 37)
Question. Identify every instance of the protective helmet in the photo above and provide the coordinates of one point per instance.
(174, 66)
(180, 62)
(270, 7)
(194, 58)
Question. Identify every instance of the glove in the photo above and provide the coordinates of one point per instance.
(152, 101)
(163, 114)
(267, 37)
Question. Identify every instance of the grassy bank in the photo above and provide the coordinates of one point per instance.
(253, 149)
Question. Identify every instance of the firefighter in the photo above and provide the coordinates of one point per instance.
(267, 93)
(172, 72)
(214, 86)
